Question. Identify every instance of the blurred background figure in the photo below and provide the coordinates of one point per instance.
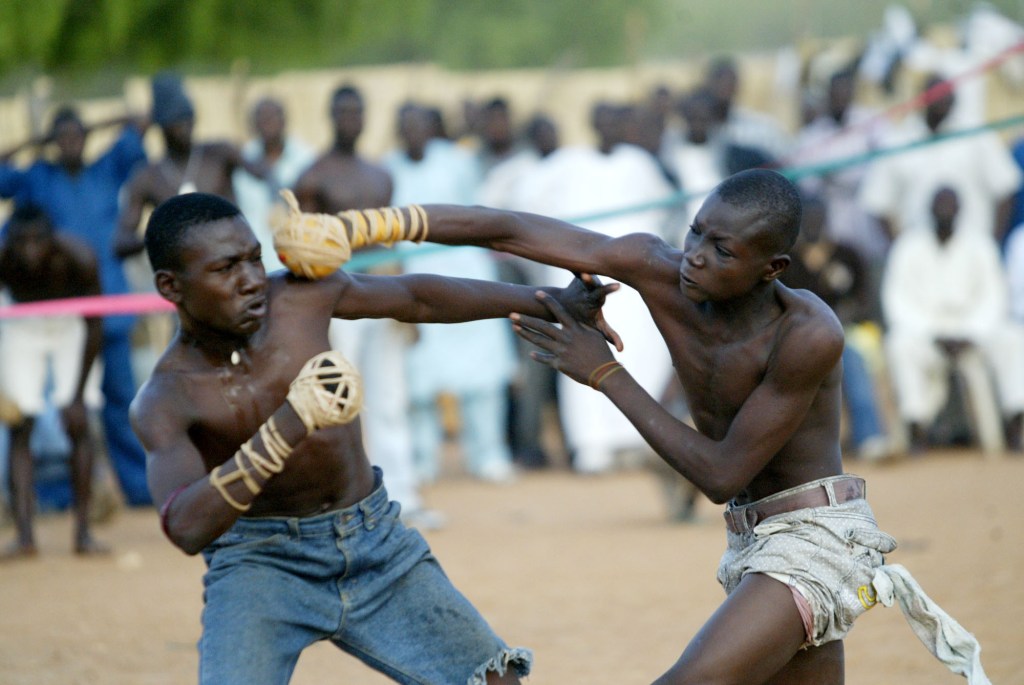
(458, 375)
(582, 184)
(899, 189)
(845, 130)
(342, 179)
(837, 274)
(55, 353)
(81, 199)
(945, 301)
(283, 156)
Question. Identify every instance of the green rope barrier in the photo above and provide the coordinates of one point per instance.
(371, 259)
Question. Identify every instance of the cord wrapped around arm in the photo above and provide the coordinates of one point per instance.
(314, 245)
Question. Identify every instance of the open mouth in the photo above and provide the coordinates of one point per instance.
(257, 307)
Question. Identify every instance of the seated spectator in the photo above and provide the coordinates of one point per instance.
(837, 274)
(38, 264)
(945, 292)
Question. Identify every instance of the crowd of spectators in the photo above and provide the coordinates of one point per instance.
(919, 251)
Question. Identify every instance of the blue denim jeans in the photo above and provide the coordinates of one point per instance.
(356, 577)
(859, 395)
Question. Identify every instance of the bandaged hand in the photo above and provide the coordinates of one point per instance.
(315, 245)
(327, 392)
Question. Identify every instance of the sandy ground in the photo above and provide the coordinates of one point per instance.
(585, 571)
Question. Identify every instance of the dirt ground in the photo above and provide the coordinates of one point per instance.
(585, 571)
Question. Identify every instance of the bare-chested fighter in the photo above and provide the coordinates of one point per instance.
(760, 367)
(253, 467)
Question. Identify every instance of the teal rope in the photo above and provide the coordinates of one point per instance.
(371, 259)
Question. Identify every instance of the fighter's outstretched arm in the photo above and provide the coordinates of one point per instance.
(765, 422)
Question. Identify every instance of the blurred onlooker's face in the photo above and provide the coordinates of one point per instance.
(268, 120)
(415, 130)
(347, 115)
(69, 135)
(178, 134)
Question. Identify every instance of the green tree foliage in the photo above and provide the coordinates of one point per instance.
(60, 36)
(76, 37)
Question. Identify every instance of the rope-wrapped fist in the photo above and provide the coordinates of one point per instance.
(327, 392)
(310, 245)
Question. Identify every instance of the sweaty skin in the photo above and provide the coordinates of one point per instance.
(198, 406)
(759, 364)
(757, 361)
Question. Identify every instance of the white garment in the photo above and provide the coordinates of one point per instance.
(376, 347)
(474, 360)
(257, 196)
(699, 169)
(1015, 272)
(956, 290)
(979, 168)
(824, 140)
(579, 183)
(938, 631)
(34, 351)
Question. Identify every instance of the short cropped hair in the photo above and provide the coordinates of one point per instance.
(771, 195)
(171, 221)
(25, 215)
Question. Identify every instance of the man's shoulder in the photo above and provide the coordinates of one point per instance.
(809, 317)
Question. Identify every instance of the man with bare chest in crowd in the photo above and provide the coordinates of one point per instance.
(187, 166)
(36, 263)
(340, 179)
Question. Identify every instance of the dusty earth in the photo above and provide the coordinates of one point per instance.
(587, 572)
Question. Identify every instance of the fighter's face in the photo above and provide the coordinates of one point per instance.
(723, 257)
(70, 139)
(222, 285)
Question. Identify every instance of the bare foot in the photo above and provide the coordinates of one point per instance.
(17, 550)
(91, 548)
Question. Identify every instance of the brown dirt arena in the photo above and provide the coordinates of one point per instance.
(585, 571)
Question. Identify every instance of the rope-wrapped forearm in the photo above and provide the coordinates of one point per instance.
(248, 459)
(314, 245)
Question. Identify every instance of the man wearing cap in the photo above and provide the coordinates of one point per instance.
(186, 167)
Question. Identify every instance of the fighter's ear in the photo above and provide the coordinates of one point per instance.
(167, 285)
(776, 266)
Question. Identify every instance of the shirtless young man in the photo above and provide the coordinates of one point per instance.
(36, 263)
(270, 481)
(187, 166)
(760, 366)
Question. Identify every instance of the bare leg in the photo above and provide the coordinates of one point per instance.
(81, 484)
(755, 637)
(510, 678)
(23, 500)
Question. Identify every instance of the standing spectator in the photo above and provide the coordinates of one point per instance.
(81, 200)
(944, 292)
(339, 180)
(283, 156)
(474, 361)
(737, 127)
(899, 189)
(580, 183)
(511, 185)
(186, 167)
(836, 273)
(36, 263)
(845, 130)
(697, 159)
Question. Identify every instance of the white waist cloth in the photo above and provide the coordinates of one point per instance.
(33, 351)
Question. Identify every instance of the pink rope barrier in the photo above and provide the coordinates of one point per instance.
(96, 305)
